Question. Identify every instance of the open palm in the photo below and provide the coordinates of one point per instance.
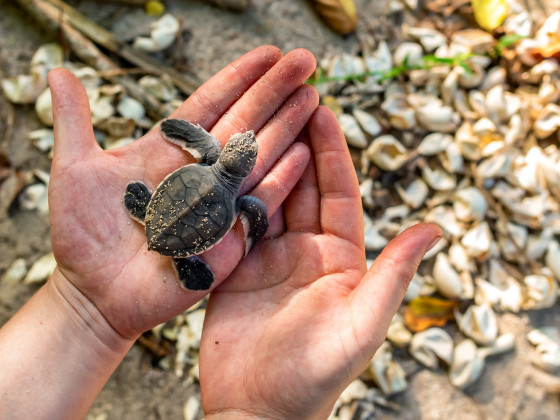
(300, 317)
(101, 252)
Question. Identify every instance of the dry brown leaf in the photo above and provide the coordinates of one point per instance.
(339, 15)
(424, 312)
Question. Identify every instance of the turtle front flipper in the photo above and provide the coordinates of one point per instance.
(254, 219)
(193, 273)
(136, 199)
(204, 147)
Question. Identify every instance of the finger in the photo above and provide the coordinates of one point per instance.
(264, 98)
(73, 130)
(209, 102)
(272, 191)
(276, 225)
(377, 297)
(280, 132)
(301, 208)
(341, 205)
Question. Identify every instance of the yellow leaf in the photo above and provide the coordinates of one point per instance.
(424, 312)
(339, 15)
(490, 14)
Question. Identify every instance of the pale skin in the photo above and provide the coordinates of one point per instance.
(287, 328)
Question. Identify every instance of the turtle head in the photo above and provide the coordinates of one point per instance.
(239, 155)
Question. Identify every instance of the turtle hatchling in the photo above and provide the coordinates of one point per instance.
(194, 207)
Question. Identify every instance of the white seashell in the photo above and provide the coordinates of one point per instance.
(549, 91)
(547, 121)
(161, 87)
(35, 197)
(366, 188)
(373, 239)
(419, 286)
(471, 79)
(435, 116)
(438, 178)
(477, 102)
(540, 291)
(451, 159)
(43, 139)
(486, 293)
(547, 341)
(22, 89)
(41, 269)
(387, 153)
(467, 365)
(469, 204)
(162, 35)
(479, 322)
(444, 216)
(408, 52)
(537, 245)
(401, 115)
(512, 238)
(494, 77)
(545, 67)
(459, 258)
(519, 23)
(43, 107)
(355, 137)
(367, 121)
(191, 408)
(446, 279)
(356, 390)
(46, 58)
(415, 194)
(385, 372)
(430, 345)
(552, 259)
(450, 86)
(477, 241)
(397, 333)
(381, 60)
(131, 108)
(15, 272)
(475, 40)
(468, 143)
(101, 109)
(429, 38)
(434, 143)
(495, 166)
(503, 344)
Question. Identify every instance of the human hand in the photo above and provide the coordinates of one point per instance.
(301, 317)
(104, 268)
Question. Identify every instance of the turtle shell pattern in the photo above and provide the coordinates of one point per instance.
(189, 212)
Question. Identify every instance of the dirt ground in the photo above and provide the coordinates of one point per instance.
(510, 387)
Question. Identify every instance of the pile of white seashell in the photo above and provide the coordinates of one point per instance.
(476, 152)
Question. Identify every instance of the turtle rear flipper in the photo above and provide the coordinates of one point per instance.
(254, 219)
(204, 147)
(136, 199)
(193, 273)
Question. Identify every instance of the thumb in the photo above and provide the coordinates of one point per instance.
(381, 291)
(73, 131)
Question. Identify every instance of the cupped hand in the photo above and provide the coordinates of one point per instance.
(300, 317)
(105, 271)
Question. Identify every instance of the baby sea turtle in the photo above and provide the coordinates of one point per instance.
(194, 207)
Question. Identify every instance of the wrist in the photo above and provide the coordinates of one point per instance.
(56, 354)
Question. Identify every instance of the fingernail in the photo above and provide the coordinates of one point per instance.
(432, 243)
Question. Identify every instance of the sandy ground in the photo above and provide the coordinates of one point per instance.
(510, 387)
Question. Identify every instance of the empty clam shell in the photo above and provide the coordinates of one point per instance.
(547, 341)
(434, 143)
(446, 279)
(479, 322)
(43, 107)
(429, 38)
(397, 333)
(354, 135)
(408, 52)
(432, 345)
(469, 204)
(438, 178)
(162, 35)
(415, 194)
(15, 272)
(477, 240)
(385, 372)
(367, 121)
(41, 269)
(547, 121)
(387, 153)
(541, 291)
(467, 365)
